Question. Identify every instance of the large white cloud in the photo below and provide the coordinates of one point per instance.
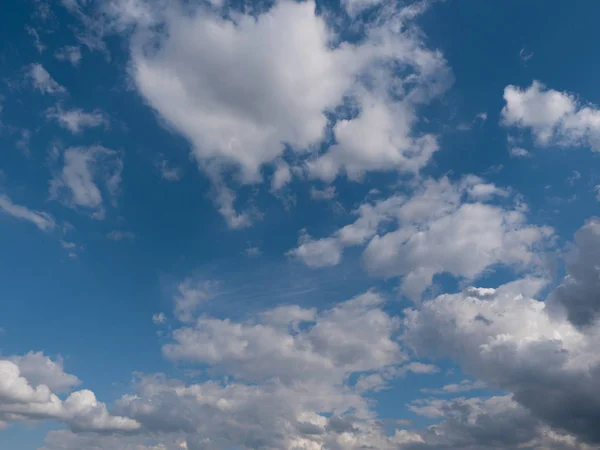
(443, 227)
(355, 336)
(553, 117)
(510, 341)
(24, 397)
(245, 86)
(39, 369)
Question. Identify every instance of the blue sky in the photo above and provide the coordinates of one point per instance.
(290, 225)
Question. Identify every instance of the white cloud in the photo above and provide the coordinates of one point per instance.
(68, 245)
(70, 53)
(159, 318)
(454, 388)
(42, 220)
(524, 55)
(553, 117)
(519, 152)
(39, 369)
(167, 172)
(327, 193)
(353, 336)
(76, 184)
(244, 89)
(24, 396)
(508, 340)
(281, 176)
(191, 292)
(39, 46)
(443, 227)
(76, 120)
(117, 235)
(41, 80)
(253, 251)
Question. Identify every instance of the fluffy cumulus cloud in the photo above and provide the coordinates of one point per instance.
(286, 384)
(511, 341)
(88, 176)
(245, 88)
(553, 117)
(286, 378)
(42, 220)
(28, 386)
(444, 227)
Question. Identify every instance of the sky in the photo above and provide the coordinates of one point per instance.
(290, 225)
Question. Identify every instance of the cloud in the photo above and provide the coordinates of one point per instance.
(281, 176)
(117, 235)
(159, 318)
(39, 46)
(327, 193)
(279, 79)
(39, 369)
(70, 53)
(578, 292)
(24, 396)
(167, 172)
(42, 220)
(76, 184)
(463, 386)
(41, 80)
(524, 55)
(76, 120)
(288, 383)
(554, 118)
(326, 347)
(355, 6)
(508, 340)
(191, 292)
(518, 152)
(487, 424)
(442, 227)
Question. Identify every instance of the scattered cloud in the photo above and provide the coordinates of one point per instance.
(443, 227)
(159, 318)
(39, 46)
(519, 152)
(524, 55)
(43, 81)
(76, 120)
(327, 193)
(68, 245)
(544, 361)
(274, 87)
(168, 172)
(463, 386)
(70, 53)
(26, 394)
(554, 118)
(42, 220)
(253, 251)
(117, 235)
(573, 178)
(76, 184)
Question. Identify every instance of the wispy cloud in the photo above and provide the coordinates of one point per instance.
(42, 220)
